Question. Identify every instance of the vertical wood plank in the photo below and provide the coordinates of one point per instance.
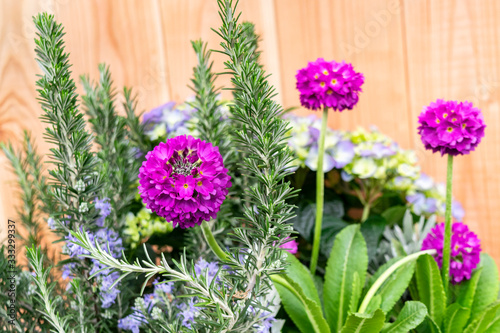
(453, 53)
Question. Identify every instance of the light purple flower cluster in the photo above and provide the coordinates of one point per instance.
(329, 84)
(184, 181)
(105, 238)
(160, 294)
(208, 269)
(266, 323)
(451, 127)
(465, 249)
(104, 208)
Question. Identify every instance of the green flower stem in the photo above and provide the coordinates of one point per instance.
(447, 226)
(378, 283)
(366, 212)
(320, 190)
(209, 237)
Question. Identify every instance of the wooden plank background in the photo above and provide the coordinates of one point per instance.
(411, 52)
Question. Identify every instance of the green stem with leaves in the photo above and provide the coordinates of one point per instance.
(320, 190)
(378, 283)
(209, 237)
(366, 212)
(447, 225)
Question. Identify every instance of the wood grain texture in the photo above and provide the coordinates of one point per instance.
(411, 52)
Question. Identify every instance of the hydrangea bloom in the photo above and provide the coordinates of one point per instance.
(303, 142)
(144, 225)
(184, 181)
(451, 127)
(329, 84)
(465, 249)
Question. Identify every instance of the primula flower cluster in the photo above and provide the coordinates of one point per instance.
(465, 250)
(184, 181)
(329, 84)
(451, 127)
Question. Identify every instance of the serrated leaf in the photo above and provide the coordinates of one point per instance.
(467, 290)
(412, 315)
(455, 319)
(487, 287)
(364, 323)
(348, 256)
(395, 285)
(305, 313)
(494, 326)
(428, 326)
(430, 287)
(483, 320)
(301, 275)
(374, 304)
(353, 306)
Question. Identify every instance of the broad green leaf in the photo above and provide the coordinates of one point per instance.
(394, 214)
(305, 313)
(301, 275)
(395, 285)
(305, 217)
(374, 304)
(430, 287)
(372, 230)
(487, 287)
(412, 315)
(494, 326)
(467, 290)
(364, 323)
(356, 293)
(483, 320)
(348, 257)
(455, 319)
(428, 326)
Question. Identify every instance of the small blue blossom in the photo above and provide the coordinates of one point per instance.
(188, 312)
(132, 322)
(104, 208)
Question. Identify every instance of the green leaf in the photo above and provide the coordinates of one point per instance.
(394, 287)
(332, 222)
(374, 304)
(347, 258)
(494, 326)
(430, 287)
(487, 287)
(372, 230)
(301, 275)
(364, 323)
(412, 315)
(356, 293)
(304, 312)
(428, 326)
(467, 290)
(455, 319)
(394, 214)
(483, 320)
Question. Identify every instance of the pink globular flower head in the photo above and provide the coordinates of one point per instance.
(291, 246)
(451, 127)
(329, 84)
(465, 249)
(184, 181)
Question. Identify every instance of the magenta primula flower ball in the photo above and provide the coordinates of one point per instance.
(184, 181)
(465, 249)
(329, 84)
(451, 127)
